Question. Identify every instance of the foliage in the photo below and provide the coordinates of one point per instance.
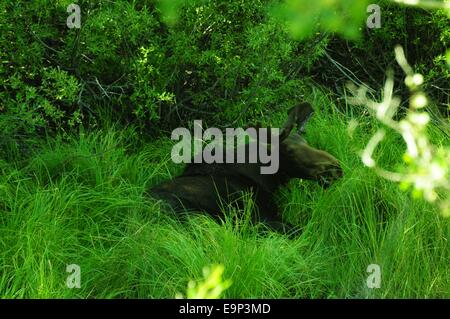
(343, 17)
(35, 94)
(211, 288)
(84, 202)
(160, 64)
(427, 166)
(416, 28)
(217, 59)
(424, 35)
(79, 193)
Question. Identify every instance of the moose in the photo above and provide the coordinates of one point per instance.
(209, 187)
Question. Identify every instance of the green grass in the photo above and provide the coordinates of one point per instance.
(82, 201)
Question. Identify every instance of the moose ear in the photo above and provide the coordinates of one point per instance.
(297, 116)
(305, 111)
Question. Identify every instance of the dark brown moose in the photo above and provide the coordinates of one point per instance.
(211, 187)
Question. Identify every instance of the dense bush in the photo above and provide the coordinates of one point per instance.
(425, 36)
(226, 62)
(219, 58)
(34, 88)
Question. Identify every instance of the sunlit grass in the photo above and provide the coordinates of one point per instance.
(84, 202)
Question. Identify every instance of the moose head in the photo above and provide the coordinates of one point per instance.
(297, 158)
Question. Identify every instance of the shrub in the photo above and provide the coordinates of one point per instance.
(218, 59)
(425, 36)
